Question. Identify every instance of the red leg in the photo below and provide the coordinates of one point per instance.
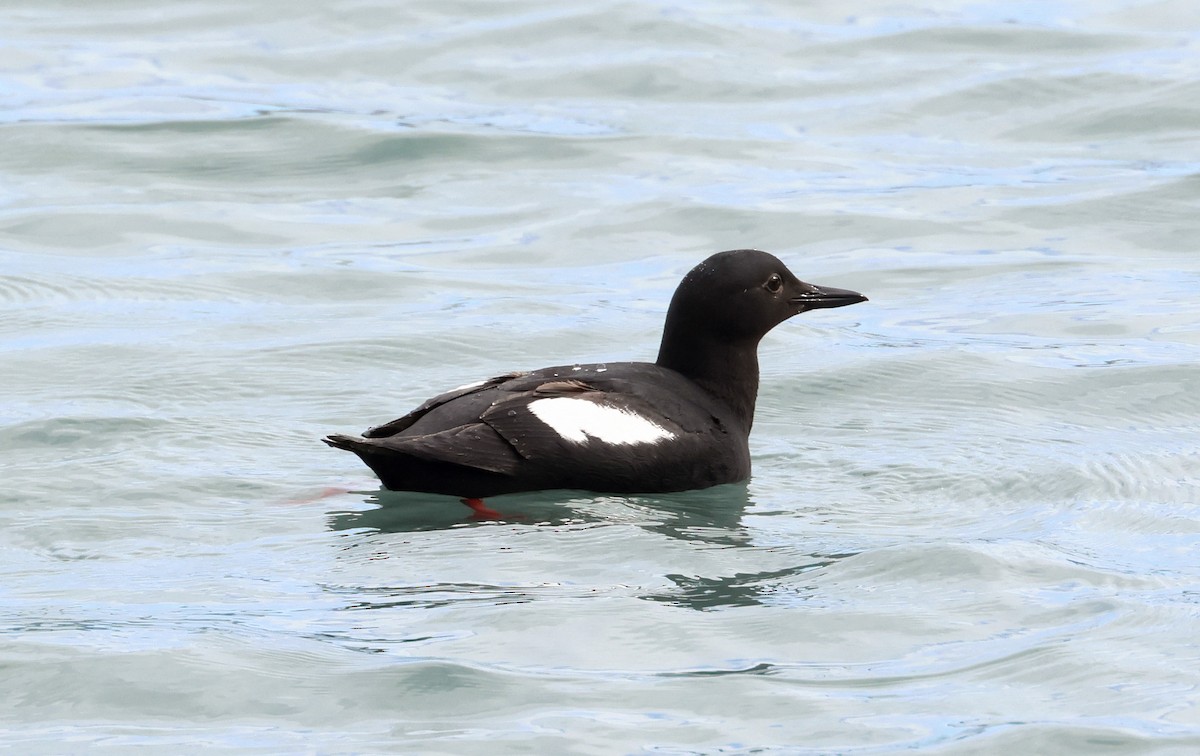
(482, 511)
(325, 494)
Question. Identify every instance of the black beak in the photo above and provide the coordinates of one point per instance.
(818, 297)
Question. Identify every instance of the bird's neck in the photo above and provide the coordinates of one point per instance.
(728, 371)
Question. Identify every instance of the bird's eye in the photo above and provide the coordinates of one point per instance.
(774, 283)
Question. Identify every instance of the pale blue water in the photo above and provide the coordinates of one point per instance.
(228, 229)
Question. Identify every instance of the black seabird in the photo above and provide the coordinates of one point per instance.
(679, 423)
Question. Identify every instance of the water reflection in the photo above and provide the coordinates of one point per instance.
(406, 512)
(713, 515)
(707, 518)
(741, 589)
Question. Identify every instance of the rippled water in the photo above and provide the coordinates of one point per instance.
(227, 229)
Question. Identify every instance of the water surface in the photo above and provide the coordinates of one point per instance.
(227, 230)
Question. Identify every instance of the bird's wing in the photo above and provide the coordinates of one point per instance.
(544, 420)
(475, 445)
(567, 415)
(400, 424)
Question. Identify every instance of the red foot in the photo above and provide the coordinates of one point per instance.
(325, 494)
(482, 511)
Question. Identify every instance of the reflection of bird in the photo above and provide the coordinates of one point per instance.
(680, 423)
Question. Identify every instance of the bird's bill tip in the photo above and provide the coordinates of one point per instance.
(820, 297)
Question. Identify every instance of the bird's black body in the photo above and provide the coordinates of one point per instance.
(484, 440)
(677, 424)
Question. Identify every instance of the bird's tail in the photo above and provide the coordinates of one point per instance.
(349, 443)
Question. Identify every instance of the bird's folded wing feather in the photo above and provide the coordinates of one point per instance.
(400, 424)
(509, 432)
(476, 445)
(596, 418)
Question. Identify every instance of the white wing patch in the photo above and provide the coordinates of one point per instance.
(578, 420)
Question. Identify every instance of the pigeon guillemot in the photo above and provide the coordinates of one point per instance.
(680, 423)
